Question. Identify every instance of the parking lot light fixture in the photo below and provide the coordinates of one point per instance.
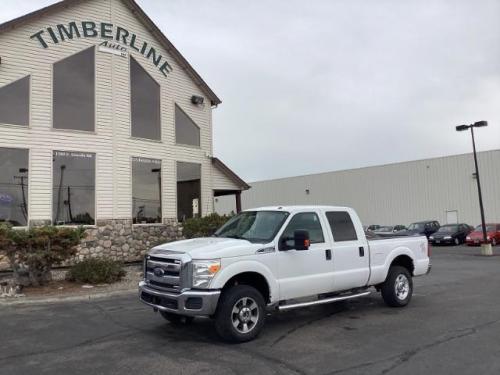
(486, 248)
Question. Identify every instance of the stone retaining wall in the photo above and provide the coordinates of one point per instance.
(124, 241)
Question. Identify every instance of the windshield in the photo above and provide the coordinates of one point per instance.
(448, 229)
(385, 229)
(416, 226)
(254, 226)
(489, 228)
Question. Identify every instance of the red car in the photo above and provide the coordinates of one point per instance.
(492, 232)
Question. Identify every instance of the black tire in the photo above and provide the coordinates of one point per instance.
(176, 319)
(241, 298)
(457, 241)
(393, 294)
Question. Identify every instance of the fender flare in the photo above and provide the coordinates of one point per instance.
(244, 266)
(396, 253)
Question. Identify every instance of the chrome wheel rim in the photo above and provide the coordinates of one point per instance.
(245, 315)
(402, 287)
(457, 241)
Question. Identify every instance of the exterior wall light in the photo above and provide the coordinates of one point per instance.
(197, 100)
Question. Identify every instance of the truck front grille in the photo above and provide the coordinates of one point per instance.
(164, 273)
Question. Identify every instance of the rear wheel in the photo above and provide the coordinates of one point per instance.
(457, 241)
(240, 314)
(494, 242)
(176, 319)
(398, 287)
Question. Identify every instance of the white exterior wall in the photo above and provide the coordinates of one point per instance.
(111, 141)
(391, 194)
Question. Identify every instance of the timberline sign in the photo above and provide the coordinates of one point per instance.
(103, 30)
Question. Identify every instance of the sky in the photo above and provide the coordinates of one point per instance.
(315, 86)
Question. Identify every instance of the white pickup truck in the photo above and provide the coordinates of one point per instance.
(278, 258)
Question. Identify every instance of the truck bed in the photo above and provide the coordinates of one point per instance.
(416, 247)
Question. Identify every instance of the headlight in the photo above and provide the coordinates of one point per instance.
(431, 237)
(447, 238)
(488, 238)
(204, 271)
(468, 238)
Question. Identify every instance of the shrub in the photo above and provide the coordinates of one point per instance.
(96, 271)
(33, 252)
(203, 226)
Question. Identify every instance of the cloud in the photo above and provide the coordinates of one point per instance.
(327, 85)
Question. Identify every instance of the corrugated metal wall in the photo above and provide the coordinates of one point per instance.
(391, 194)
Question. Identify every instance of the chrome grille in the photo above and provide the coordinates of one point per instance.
(164, 273)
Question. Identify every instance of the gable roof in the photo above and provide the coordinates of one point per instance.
(230, 174)
(144, 18)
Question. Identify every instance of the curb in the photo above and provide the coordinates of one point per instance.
(78, 298)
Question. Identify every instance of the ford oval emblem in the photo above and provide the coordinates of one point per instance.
(158, 272)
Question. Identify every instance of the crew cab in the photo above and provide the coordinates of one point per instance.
(277, 259)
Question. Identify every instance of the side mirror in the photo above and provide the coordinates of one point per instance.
(301, 240)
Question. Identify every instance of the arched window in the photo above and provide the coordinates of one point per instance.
(74, 92)
(186, 131)
(145, 103)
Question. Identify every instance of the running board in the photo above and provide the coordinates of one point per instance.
(322, 301)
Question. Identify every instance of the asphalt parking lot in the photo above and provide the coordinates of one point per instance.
(452, 326)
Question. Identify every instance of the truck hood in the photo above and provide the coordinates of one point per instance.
(208, 248)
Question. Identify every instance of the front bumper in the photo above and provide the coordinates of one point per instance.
(188, 303)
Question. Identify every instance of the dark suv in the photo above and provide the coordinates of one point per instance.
(423, 228)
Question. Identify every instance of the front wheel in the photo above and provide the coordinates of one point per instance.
(457, 241)
(240, 314)
(398, 287)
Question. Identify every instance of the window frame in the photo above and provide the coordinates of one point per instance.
(95, 191)
(52, 128)
(162, 206)
(176, 105)
(28, 192)
(331, 229)
(30, 96)
(160, 112)
(287, 223)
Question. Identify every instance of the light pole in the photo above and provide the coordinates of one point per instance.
(486, 246)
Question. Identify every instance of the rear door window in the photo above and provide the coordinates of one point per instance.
(341, 226)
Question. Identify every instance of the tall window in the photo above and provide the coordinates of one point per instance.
(146, 190)
(145, 103)
(14, 186)
(74, 92)
(186, 131)
(15, 102)
(73, 197)
(188, 190)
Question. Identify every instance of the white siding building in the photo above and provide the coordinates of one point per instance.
(104, 123)
(442, 189)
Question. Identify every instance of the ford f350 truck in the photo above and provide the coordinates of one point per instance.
(278, 258)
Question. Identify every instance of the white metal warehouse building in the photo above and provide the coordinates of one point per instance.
(442, 189)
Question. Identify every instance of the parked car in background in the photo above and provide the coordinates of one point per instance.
(451, 234)
(492, 233)
(373, 227)
(390, 229)
(422, 228)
